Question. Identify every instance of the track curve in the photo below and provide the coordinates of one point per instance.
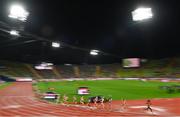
(18, 99)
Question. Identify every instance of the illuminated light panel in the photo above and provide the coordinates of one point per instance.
(142, 14)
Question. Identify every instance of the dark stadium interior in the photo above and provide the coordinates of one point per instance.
(103, 25)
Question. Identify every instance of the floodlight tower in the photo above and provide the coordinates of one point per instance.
(94, 52)
(19, 15)
(18, 12)
(14, 33)
(141, 14)
(55, 44)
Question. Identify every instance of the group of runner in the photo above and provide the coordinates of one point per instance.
(64, 99)
(96, 102)
(100, 102)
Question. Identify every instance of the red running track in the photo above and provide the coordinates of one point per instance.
(19, 100)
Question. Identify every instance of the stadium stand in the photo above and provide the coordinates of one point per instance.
(65, 71)
(87, 71)
(46, 74)
(109, 70)
(152, 68)
(14, 69)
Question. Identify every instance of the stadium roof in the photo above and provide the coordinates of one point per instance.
(82, 25)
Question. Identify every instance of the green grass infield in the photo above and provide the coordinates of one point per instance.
(3, 85)
(118, 89)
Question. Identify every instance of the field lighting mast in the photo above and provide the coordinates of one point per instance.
(94, 52)
(141, 14)
(19, 14)
(55, 44)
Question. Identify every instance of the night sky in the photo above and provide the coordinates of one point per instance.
(92, 24)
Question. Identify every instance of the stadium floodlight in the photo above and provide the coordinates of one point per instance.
(67, 64)
(55, 44)
(94, 52)
(39, 67)
(14, 33)
(49, 64)
(44, 65)
(141, 14)
(18, 12)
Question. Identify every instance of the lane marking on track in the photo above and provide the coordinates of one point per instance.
(24, 105)
(11, 106)
(79, 106)
(153, 107)
(17, 96)
(156, 110)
